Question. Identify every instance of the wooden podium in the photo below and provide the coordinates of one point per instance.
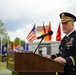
(28, 63)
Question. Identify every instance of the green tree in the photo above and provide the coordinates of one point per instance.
(18, 41)
(3, 32)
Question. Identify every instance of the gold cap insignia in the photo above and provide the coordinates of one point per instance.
(62, 14)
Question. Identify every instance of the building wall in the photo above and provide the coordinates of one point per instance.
(46, 47)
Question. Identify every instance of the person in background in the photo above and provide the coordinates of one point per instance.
(67, 47)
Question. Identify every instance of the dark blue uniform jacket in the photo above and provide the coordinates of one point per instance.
(67, 50)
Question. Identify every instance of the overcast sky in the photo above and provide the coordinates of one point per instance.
(19, 16)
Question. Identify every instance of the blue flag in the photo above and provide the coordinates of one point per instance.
(25, 46)
(4, 49)
(0, 46)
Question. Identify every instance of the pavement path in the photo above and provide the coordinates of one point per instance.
(4, 71)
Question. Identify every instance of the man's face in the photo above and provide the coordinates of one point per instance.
(67, 27)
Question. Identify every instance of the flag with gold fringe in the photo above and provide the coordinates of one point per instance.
(58, 35)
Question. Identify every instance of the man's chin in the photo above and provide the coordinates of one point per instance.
(64, 32)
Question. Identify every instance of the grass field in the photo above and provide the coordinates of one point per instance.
(2, 65)
(7, 74)
(3, 68)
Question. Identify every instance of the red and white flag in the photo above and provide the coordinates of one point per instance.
(32, 35)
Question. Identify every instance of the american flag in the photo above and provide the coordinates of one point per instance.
(18, 46)
(32, 35)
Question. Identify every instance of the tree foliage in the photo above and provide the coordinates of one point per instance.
(5, 38)
(3, 32)
(18, 41)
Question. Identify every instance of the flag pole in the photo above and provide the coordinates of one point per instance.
(19, 43)
(1, 44)
(14, 44)
(7, 42)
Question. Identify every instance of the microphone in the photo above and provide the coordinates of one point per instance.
(42, 36)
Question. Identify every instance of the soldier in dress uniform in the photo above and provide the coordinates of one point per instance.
(67, 47)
